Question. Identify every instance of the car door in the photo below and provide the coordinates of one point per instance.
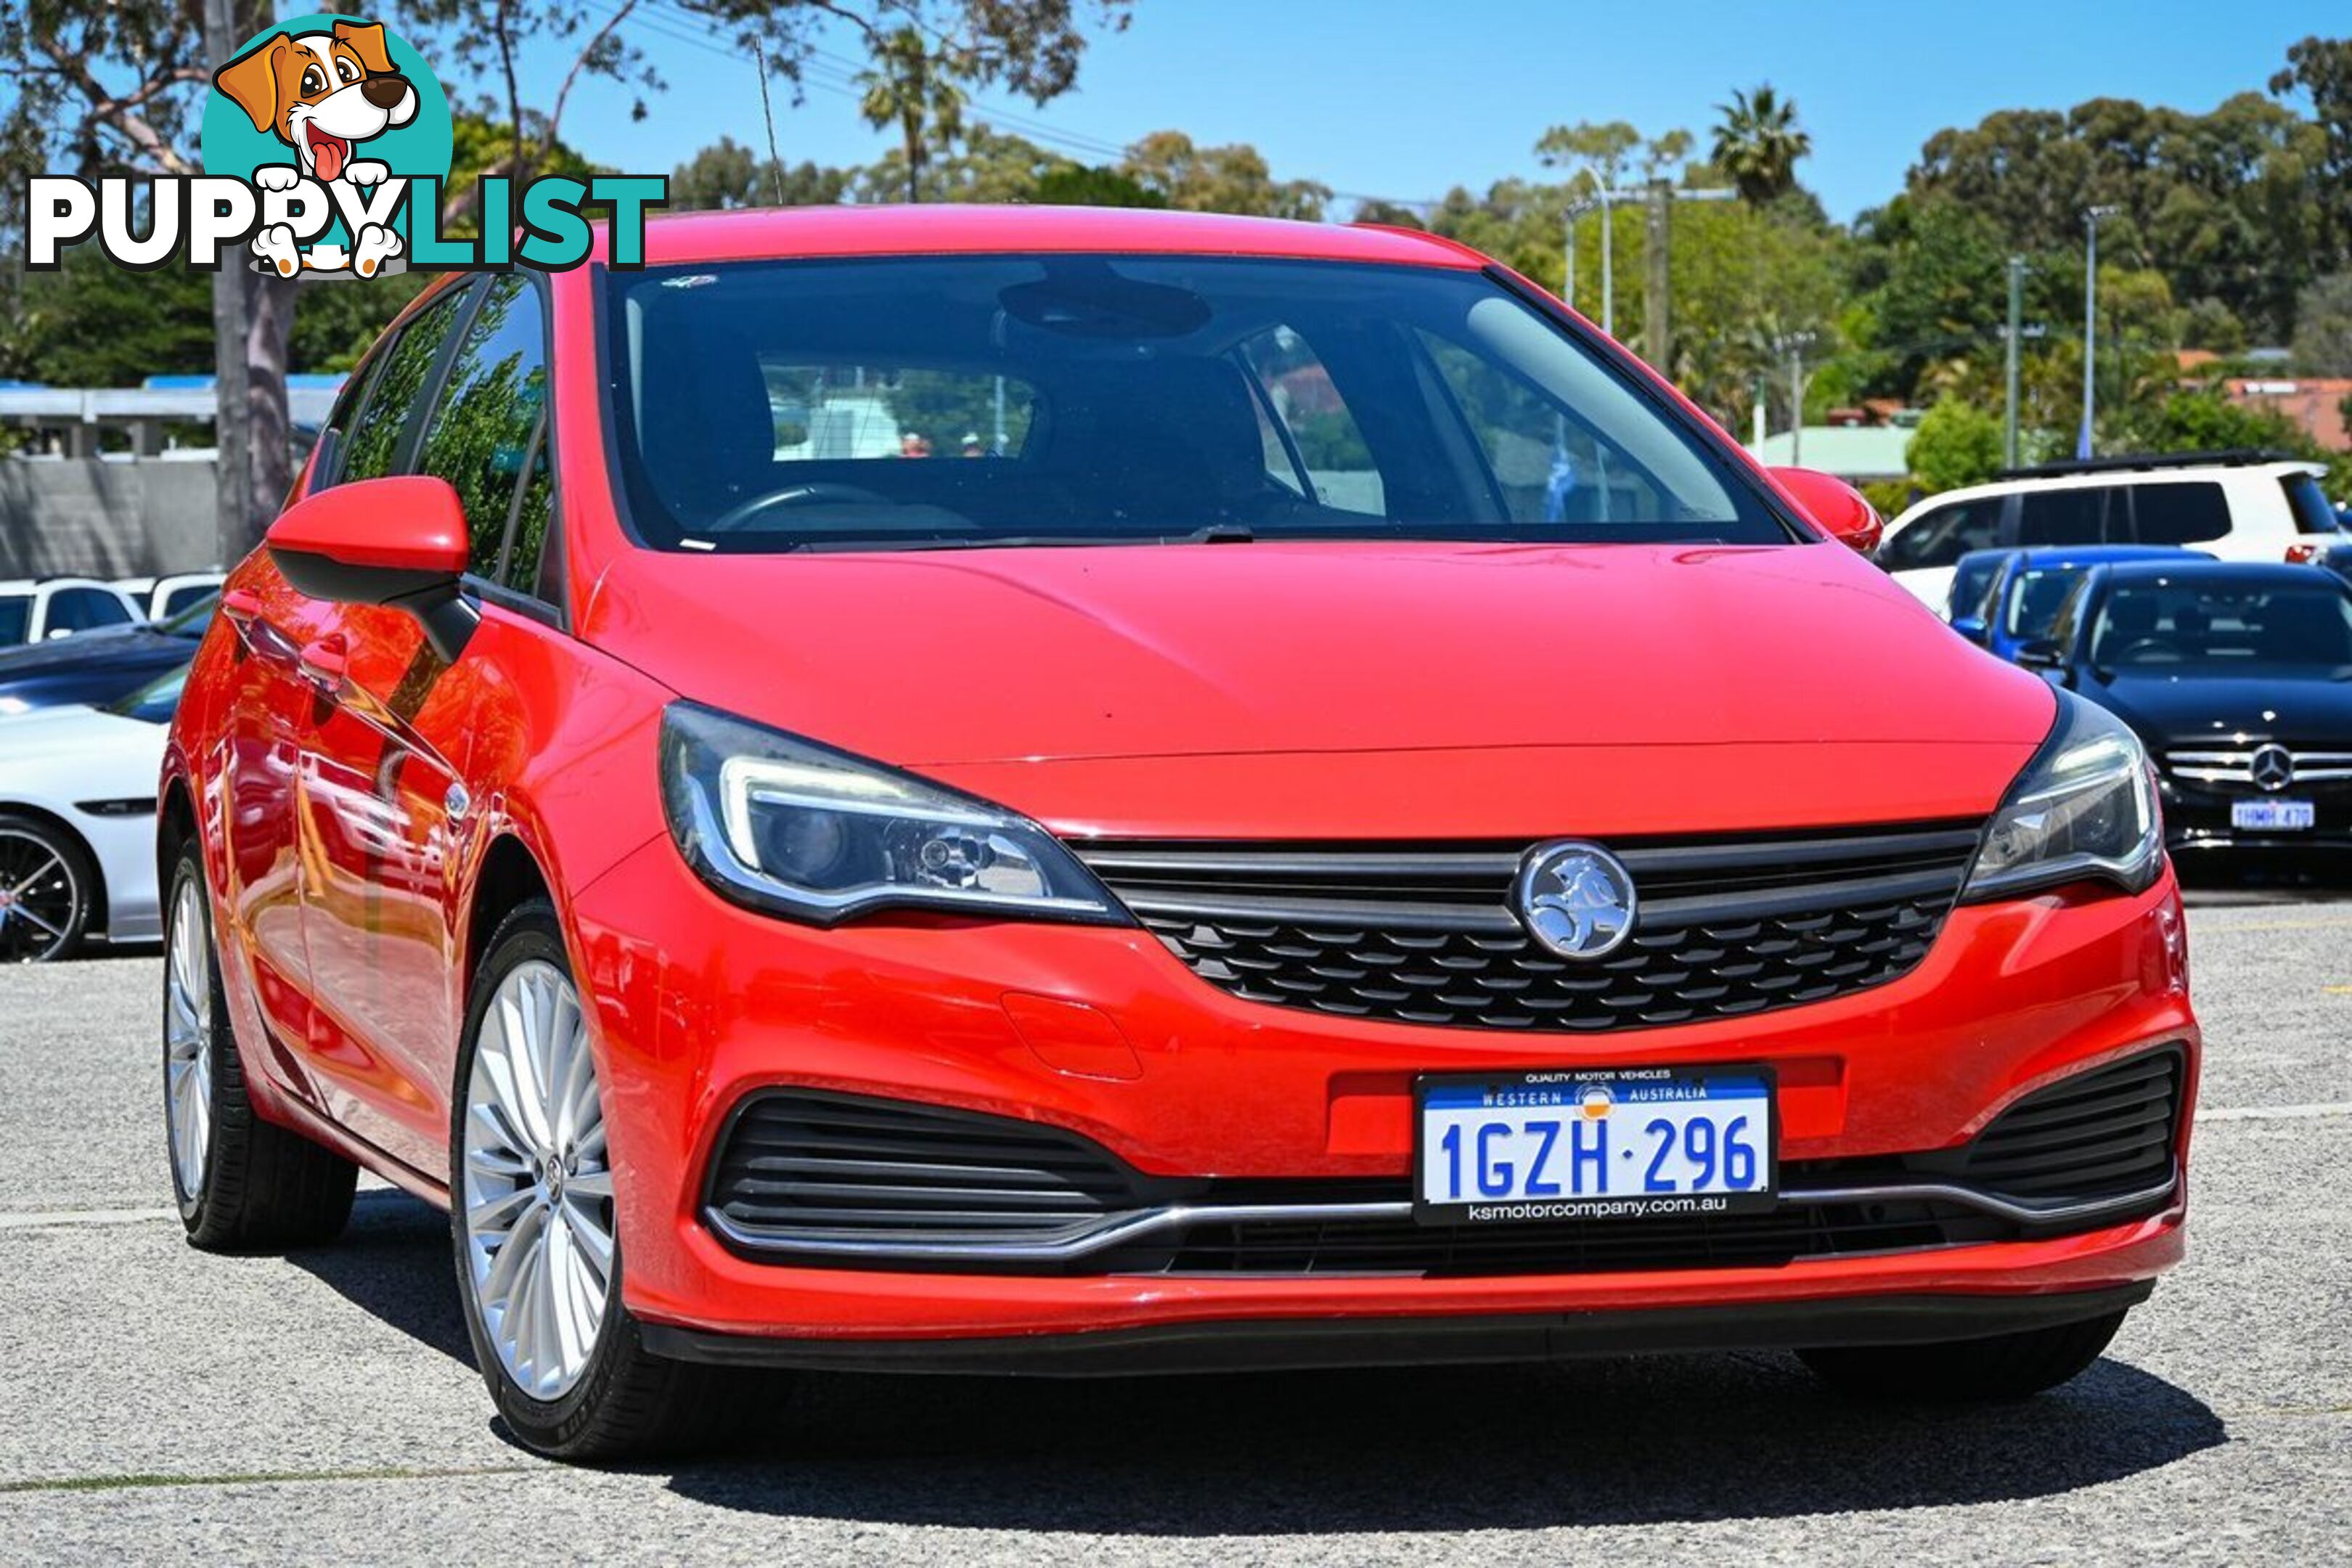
(385, 811)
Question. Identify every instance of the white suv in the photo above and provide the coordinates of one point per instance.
(2233, 506)
(33, 610)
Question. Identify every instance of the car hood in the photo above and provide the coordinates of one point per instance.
(1583, 659)
(104, 645)
(2189, 710)
(76, 741)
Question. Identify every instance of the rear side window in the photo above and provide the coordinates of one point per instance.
(81, 609)
(372, 446)
(483, 430)
(2309, 504)
(184, 596)
(2179, 514)
(1940, 537)
(16, 618)
(2077, 515)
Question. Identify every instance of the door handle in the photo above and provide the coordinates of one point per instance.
(324, 663)
(241, 606)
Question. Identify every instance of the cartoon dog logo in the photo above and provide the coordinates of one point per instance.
(322, 94)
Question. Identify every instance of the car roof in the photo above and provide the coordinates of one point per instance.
(2103, 554)
(2231, 573)
(948, 229)
(2108, 478)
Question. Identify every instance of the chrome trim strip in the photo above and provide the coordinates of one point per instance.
(1116, 1230)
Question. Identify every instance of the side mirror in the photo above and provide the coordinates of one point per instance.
(1833, 506)
(1971, 628)
(398, 542)
(2041, 653)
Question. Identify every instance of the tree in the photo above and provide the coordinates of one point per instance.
(1593, 154)
(1957, 444)
(989, 165)
(2322, 327)
(1233, 179)
(2321, 70)
(920, 91)
(1757, 143)
(1073, 185)
(728, 175)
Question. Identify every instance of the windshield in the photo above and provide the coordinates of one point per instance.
(2223, 628)
(1971, 581)
(15, 617)
(154, 702)
(195, 619)
(2035, 597)
(924, 403)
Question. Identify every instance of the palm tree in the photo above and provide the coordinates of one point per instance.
(1757, 143)
(917, 88)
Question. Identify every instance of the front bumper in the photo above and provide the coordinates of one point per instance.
(697, 1004)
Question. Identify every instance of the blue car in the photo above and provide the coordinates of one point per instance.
(1972, 579)
(96, 667)
(2021, 603)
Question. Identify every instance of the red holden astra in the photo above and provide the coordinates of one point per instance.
(1071, 792)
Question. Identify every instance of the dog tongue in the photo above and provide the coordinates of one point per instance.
(329, 150)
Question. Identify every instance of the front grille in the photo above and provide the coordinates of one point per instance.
(1425, 935)
(1792, 1232)
(2096, 1134)
(2234, 767)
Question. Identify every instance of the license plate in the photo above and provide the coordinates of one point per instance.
(2273, 816)
(1579, 1143)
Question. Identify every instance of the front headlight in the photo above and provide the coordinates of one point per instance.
(800, 829)
(2084, 808)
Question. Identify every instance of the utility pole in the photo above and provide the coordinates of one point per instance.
(2016, 326)
(1794, 346)
(1657, 316)
(2091, 217)
(1608, 272)
(232, 317)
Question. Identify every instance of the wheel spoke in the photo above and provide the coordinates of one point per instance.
(488, 1219)
(595, 1246)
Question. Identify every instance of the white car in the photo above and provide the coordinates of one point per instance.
(2231, 507)
(78, 823)
(34, 610)
(160, 598)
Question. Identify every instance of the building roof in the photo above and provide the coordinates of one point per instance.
(1849, 451)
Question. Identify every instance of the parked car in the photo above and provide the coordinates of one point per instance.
(2028, 587)
(2235, 506)
(1185, 892)
(96, 669)
(2238, 680)
(78, 823)
(1972, 579)
(34, 610)
(163, 597)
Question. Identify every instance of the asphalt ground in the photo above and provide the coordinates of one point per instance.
(157, 1403)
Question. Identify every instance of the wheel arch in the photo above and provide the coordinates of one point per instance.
(509, 876)
(96, 924)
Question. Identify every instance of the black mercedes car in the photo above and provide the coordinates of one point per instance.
(98, 666)
(2238, 679)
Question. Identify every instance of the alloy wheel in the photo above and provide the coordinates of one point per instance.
(536, 1188)
(188, 1038)
(40, 898)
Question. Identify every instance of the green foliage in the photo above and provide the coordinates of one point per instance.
(2322, 327)
(728, 175)
(1957, 444)
(1073, 185)
(2203, 420)
(1232, 179)
(90, 323)
(1757, 143)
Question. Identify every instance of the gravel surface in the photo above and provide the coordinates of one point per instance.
(163, 1404)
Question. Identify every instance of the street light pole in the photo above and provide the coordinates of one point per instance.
(2016, 326)
(2091, 217)
(1608, 273)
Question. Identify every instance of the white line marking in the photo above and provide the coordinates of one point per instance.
(84, 1217)
(2277, 1112)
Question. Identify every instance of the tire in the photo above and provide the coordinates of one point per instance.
(561, 1354)
(48, 888)
(244, 1184)
(1961, 1372)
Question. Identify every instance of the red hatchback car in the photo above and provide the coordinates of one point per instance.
(1068, 792)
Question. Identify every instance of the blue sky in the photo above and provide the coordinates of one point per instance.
(1404, 97)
